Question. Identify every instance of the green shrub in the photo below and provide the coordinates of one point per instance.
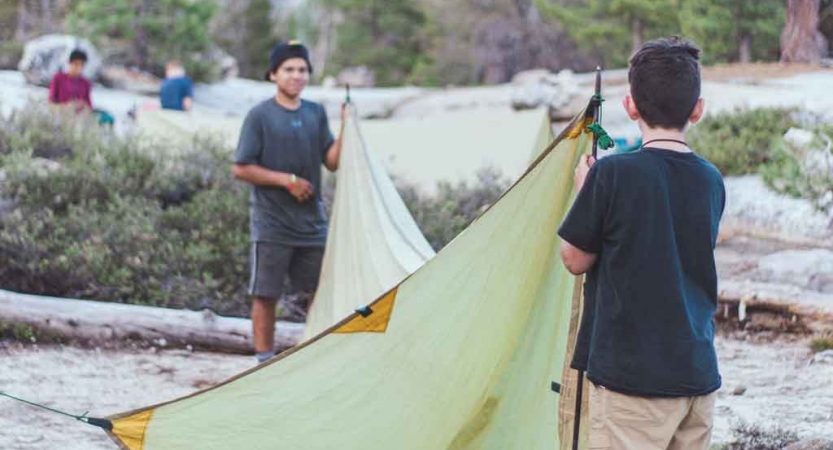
(741, 141)
(18, 332)
(47, 131)
(10, 54)
(213, 231)
(453, 207)
(790, 173)
(821, 344)
(135, 221)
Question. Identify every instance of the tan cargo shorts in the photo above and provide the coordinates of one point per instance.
(626, 422)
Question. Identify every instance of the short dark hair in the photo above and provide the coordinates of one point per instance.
(78, 54)
(665, 81)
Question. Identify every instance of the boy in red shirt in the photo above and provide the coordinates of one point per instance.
(71, 86)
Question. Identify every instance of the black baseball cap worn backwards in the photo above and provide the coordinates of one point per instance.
(287, 50)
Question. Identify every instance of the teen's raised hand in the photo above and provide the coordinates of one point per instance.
(584, 165)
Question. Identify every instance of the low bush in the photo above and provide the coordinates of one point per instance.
(753, 437)
(804, 172)
(90, 215)
(739, 142)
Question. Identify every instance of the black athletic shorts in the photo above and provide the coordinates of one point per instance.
(272, 263)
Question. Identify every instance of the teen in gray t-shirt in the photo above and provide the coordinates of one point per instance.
(294, 142)
(284, 142)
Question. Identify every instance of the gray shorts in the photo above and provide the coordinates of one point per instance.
(274, 264)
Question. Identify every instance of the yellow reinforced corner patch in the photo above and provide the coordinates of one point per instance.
(376, 322)
(131, 429)
(580, 127)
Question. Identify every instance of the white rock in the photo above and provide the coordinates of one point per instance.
(825, 357)
(45, 56)
(798, 266)
(535, 89)
(360, 76)
(799, 137)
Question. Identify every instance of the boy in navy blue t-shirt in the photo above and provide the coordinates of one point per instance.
(177, 90)
(643, 228)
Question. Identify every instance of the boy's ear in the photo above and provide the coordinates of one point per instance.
(630, 107)
(698, 111)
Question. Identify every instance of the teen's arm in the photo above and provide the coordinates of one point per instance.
(53, 90)
(333, 154)
(300, 188)
(582, 230)
(576, 260)
(259, 175)
(187, 98)
(88, 96)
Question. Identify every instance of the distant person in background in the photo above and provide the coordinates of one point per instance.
(71, 86)
(177, 90)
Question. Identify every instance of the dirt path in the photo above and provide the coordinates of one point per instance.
(782, 388)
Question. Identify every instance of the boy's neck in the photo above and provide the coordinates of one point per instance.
(287, 101)
(664, 138)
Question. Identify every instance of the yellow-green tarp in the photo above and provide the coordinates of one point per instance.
(460, 355)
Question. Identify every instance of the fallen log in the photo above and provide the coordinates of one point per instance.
(101, 322)
(775, 306)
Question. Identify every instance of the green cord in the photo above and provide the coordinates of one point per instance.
(604, 140)
(82, 417)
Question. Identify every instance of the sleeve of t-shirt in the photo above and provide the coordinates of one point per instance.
(584, 225)
(88, 95)
(327, 138)
(188, 89)
(250, 145)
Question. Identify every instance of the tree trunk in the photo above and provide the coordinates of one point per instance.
(800, 37)
(20, 29)
(46, 20)
(140, 44)
(637, 34)
(745, 49)
(99, 322)
(321, 51)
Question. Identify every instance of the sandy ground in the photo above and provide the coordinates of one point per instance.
(782, 388)
(100, 381)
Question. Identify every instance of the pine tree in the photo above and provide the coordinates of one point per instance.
(613, 29)
(801, 36)
(734, 30)
(155, 31)
(259, 39)
(385, 35)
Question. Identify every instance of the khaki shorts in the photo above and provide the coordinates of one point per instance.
(626, 422)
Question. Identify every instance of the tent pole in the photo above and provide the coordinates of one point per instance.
(577, 420)
(597, 108)
(597, 116)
